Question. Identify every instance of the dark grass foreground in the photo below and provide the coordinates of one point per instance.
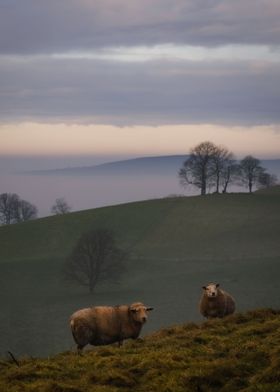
(239, 353)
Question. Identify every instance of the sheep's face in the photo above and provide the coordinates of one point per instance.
(139, 312)
(211, 290)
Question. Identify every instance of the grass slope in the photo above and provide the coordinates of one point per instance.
(176, 245)
(239, 353)
(273, 190)
(166, 227)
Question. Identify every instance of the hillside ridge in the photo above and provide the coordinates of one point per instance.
(238, 353)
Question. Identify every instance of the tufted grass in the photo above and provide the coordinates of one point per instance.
(238, 353)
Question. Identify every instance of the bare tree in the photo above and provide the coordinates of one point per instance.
(250, 171)
(8, 207)
(94, 259)
(229, 174)
(222, 163)
(266, 180)
(26, 211)
(60, 207)
(15, 210)
(198, 169)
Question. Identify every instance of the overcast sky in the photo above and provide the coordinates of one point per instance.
(139, 77)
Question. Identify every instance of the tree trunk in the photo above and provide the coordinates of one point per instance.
(218, 183)
(225, 187)
(203, 182)
(92, 283)
(203, 189)
(226, 181)
(91, 287)
(250, 186)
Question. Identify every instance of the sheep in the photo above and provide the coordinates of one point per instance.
(101, 325)
(215, 302)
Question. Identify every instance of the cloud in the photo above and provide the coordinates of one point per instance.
(230, 53)
(155, 92)
(60, 61)
(55, 26)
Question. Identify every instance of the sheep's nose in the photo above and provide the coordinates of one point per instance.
(144, 319)
(213, 294)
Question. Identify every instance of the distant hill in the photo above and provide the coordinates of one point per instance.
(239, 353)
(176, 245)
(165, 165)
(159, 165)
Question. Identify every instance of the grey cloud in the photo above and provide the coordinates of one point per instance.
(34, 26)
(153, 93)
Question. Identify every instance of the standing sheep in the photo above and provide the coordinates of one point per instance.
(102, 325)
(215, 302)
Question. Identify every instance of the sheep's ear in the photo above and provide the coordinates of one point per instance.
(134, 310)
(149, 308)
(217, 285)
(204, 287)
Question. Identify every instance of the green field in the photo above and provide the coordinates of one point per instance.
(176, 245)
(237, 354)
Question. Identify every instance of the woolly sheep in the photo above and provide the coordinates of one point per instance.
(215, 302)
(102, 325)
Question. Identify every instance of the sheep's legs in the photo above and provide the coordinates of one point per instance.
(80, 349)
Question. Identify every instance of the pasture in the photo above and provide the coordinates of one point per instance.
(175, 246)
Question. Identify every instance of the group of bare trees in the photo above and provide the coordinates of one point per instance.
(210, 166)
(14, 210)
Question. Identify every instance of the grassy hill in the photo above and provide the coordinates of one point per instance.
(274, 190)
(176, 245)
(179, 225)
(239, 353)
